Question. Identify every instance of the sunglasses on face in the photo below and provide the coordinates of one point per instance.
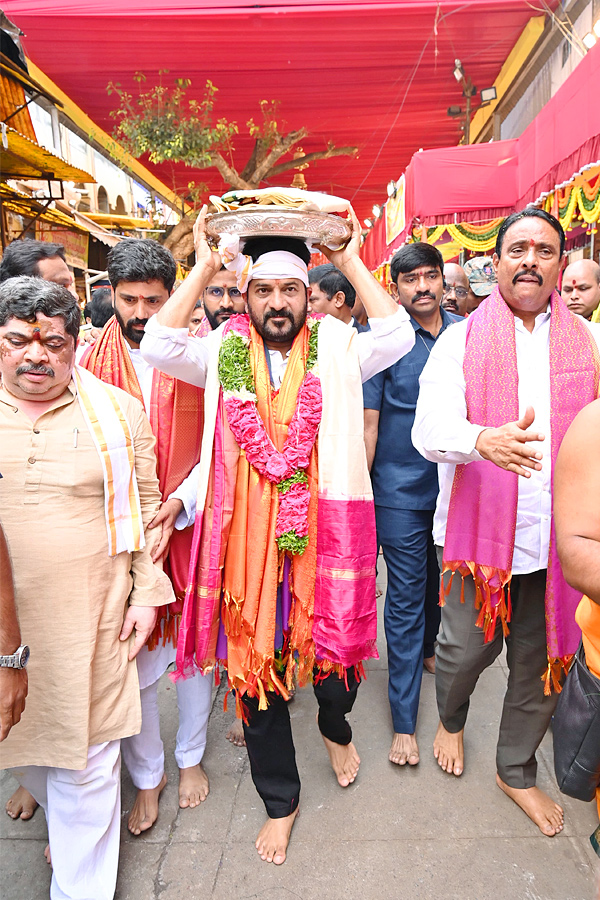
(217, 293)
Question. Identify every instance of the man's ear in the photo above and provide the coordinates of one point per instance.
(394, 290)
(112, 296)
(339, 299)
(495, 261)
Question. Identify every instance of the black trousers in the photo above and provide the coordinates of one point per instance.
(270, 745)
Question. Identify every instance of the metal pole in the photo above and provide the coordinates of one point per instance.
(55, 129)
(468, 119)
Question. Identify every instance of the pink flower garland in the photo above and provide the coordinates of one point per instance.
(284, 468)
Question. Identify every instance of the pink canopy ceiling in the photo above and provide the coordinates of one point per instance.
(374, 75)
(483, 181)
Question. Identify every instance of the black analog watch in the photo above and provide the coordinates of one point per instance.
(16, 660)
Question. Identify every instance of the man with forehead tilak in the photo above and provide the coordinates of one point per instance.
(285, 530)
(496, 397)
(220, 300)
(142, 274)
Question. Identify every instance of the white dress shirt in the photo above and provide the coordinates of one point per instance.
(442, 434)
(173, 351)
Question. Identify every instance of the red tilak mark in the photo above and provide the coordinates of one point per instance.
(531, 242)
(37, 335)
(574, 283)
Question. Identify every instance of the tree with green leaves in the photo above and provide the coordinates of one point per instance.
(168, 126)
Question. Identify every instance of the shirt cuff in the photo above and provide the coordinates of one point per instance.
(461, 449)
(187, 516)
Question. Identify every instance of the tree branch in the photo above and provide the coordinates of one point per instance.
(285, 144)
(183, 227)
(228, 174)
(310, 157)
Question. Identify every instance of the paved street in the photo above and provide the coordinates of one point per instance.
(395, 834)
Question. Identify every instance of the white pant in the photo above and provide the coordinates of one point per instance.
(83, 812)
(143, 753)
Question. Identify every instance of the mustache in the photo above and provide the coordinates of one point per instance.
(421, 294)
(223, 311)
(529, 274)
(278, 314)
(38, 369)
(137, 323)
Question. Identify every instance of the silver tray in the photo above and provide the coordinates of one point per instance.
(318, 227)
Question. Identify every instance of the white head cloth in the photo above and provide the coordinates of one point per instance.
(276, 264)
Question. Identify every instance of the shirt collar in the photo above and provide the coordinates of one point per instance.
(447, 319)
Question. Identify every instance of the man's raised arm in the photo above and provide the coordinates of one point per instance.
(392, 335)
(167, 344)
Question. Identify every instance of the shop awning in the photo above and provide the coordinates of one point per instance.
(23, 159)
(23, 205)
(96, 230)
(126, 223)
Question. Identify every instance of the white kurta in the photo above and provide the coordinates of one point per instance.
(442, 434)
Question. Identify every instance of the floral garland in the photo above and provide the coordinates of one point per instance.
(285, 468)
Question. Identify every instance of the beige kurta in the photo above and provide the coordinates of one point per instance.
(71, 596)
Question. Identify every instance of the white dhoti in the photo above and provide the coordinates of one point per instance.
(143, 753)
(83, 812)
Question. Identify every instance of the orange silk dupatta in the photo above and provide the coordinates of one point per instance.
(253, 566)
(176, 419)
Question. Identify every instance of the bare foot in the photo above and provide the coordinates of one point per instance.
(193, 786)
(236, 734)
(274, 837)
(404, 750)
(449, 751)
(47, 854)
(429, 663)
(541, 809)
(145, 809)
(21, 805)
(344, 761)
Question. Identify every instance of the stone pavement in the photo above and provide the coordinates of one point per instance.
(395, 834)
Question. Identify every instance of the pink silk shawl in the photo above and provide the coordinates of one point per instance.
(482, 514)
(344, 626)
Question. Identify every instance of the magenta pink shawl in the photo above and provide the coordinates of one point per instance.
(482, 513)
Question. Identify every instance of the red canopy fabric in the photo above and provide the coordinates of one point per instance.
(373, 75)
(483, 181)
(564, 137)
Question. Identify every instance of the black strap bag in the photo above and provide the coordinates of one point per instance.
(577, 732)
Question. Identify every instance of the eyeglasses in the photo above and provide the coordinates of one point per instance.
(217, 293)
(460, 293)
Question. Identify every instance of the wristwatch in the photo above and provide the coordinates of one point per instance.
(16, 660)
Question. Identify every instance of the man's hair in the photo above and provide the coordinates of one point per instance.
(22, 257)
(530, 212)
(198, 303)
(330, 280)
(255, 247)
(137, 259)
(412, 256)
(25, 296)
(101, 308)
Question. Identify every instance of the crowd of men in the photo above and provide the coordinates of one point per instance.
(204, 529)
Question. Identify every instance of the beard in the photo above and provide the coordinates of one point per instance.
(279, 333)
(133, 329)
(217, 317)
